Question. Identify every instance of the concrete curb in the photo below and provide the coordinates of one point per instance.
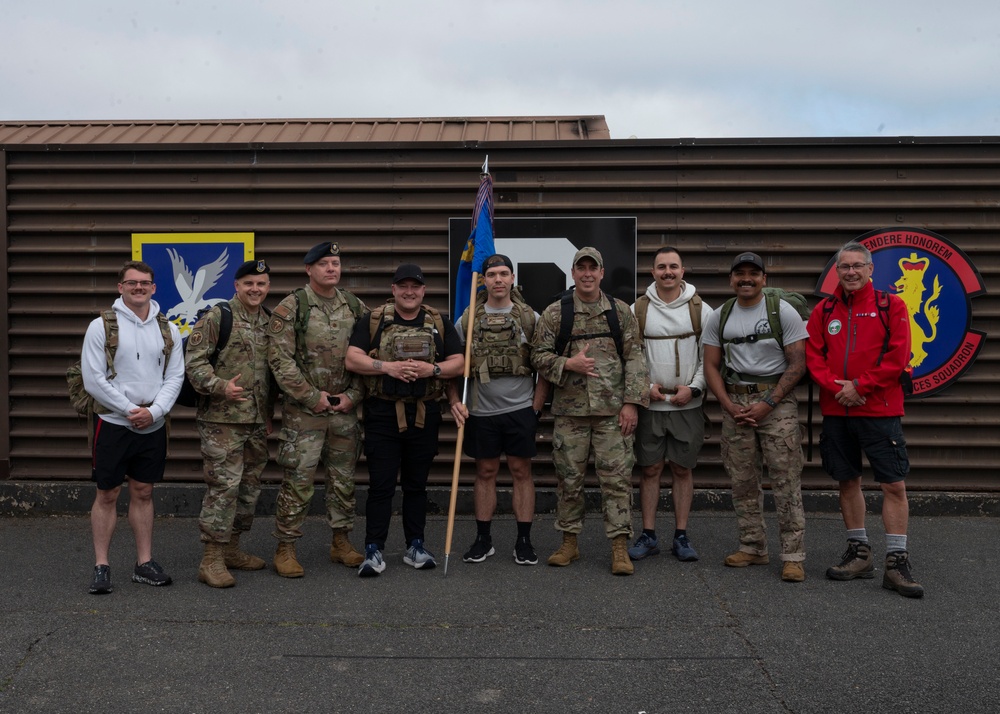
(40, 498)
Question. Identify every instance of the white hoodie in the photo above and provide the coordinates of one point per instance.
(674, 318)
(140, 377)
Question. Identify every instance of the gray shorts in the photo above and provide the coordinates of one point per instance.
(674, 436)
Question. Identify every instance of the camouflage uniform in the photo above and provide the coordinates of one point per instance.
(233, 433)
(775, 441)
(307, 438)
(586, 411)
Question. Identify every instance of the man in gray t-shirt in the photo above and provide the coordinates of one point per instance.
(505, 406)
(753, 375)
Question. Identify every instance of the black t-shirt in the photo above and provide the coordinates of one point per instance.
(361, 338)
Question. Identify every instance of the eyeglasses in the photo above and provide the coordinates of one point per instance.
(141, 283)
(845, 267)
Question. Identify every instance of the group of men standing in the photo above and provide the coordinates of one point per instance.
(613, 374)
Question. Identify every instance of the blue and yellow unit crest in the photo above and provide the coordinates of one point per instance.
(193, 270)
(937, 282)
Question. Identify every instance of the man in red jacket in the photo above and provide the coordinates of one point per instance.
(858, 347)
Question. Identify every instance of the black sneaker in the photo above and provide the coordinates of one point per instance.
(480, 550)
(524, 554)
(150, 573)
(101, 584)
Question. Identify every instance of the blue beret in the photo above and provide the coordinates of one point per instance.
(321, 251)
(253, 267)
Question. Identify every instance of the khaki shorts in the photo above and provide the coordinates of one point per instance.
(674, 436)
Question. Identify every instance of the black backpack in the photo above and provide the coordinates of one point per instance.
(188, 396)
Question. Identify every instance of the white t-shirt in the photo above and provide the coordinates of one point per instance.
(761, 358)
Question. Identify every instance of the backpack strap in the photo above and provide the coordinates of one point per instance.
(566, 335)
(110, 319)
(641, 310)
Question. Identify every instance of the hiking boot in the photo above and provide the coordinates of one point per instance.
(101, 584)
(739, 559)
(480, 550)
(857, 562)
(897, 575)
(286, 563)
(524, 553)
(418, 556)
(373, 564)
(341, 550)
(683, 550)
(793, 572)
(150, 573)
(644, 545)
(212, 570)
(567, 553)
(620, 562)
(237, 559)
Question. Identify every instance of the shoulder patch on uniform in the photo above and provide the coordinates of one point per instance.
(276, 325)
(283, 311)
(196, 338)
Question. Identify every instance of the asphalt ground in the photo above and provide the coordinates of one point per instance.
(498, 637)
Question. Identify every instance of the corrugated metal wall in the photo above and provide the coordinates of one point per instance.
(70, 214)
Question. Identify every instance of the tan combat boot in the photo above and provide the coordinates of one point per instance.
(237, 559)
(341, 550)
(567, 553)
(212, 570)
(857, 562)
(621, 564)
(285, 562)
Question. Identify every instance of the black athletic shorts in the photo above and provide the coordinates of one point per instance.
(880, 438)
(511, 433)
(119, 452)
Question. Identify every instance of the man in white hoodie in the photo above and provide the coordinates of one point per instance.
(672, 428)
(133, 400)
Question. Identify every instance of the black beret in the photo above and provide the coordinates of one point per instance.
(253, 267)
(321, 251)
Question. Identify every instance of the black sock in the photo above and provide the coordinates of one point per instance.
(650, 533)
(680, 532)
(524, 530)
(483, 529)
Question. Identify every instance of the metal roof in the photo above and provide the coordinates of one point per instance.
(298, 131)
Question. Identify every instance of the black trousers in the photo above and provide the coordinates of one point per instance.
(408, 455)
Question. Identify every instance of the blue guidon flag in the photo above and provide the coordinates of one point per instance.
(479, 246)
(937, 281)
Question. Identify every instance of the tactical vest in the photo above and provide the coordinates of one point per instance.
(393, 342)
(500, 342)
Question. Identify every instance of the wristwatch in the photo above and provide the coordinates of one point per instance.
(770, 402)
(695, 392)
(437, 370)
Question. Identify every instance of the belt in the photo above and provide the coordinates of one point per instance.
(749, 388)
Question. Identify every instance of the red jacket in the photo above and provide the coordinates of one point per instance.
(845, 343)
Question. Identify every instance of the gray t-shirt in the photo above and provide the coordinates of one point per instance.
(764, 357)
(501, 394)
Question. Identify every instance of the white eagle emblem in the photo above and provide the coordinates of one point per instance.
(192, 289)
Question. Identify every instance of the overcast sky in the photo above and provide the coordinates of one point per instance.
(655, 68)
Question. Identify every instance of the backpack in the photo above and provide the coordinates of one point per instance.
(772, 298)
(566, 335)
(882, 303)
(189, 396)
(694, 310)
(82, 402)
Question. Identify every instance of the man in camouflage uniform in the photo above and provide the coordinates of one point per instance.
(234, 419)
(308, 334)
(753, 377)
(598, 387)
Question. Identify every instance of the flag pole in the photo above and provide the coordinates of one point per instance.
(456, 468)
(461, 430)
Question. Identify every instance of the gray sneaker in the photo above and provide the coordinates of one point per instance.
(418, 557)
(373, 564)
(857, 562)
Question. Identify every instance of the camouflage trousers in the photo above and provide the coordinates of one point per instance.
(306, 440)
(234, 456)
(574, 439)
(775, 443)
